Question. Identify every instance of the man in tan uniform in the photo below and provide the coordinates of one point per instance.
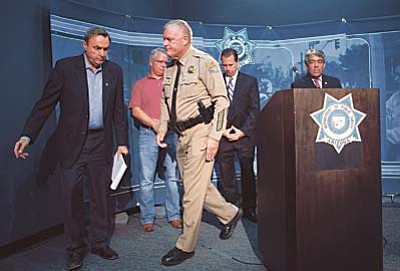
(195, 106)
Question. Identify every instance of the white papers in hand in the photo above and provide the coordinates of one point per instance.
(118, 170)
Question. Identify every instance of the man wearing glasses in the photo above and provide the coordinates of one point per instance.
(145, 105)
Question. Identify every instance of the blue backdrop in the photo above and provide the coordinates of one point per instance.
(275, 55)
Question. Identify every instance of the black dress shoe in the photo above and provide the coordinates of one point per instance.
(228, 229)
(75, 260)
(175, 256)
(250, 215)
(106, 253)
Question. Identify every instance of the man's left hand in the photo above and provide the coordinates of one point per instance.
(211, 149)
(122, 150)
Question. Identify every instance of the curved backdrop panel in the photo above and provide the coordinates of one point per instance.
(275, 56)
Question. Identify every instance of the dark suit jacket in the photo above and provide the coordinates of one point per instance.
(244, 108)
(306, 82)
(68, 86)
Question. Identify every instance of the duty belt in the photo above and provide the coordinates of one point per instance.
(206, 116)
(181, 126)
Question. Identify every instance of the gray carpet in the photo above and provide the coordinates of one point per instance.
(391, 236)
(142, 251)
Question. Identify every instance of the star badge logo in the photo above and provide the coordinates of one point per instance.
(338, 122)
(240, 42)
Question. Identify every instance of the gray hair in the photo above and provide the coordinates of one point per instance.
(155, 50)
(96, 31)
(315, 52)
(187, 30)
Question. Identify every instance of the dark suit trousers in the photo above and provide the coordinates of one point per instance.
(244, 149)
(91, 165)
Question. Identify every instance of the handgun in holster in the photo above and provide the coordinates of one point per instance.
(207, 113)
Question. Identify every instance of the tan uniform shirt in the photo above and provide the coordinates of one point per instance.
(200, 80)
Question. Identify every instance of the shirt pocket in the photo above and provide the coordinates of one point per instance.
(188, 85)
(167, 92)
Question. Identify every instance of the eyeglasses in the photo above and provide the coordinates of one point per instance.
(160, 61)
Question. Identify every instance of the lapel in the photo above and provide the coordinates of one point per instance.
(238, 86)
(325, 82)
(106, 86)
(81, 79)
(310, 81)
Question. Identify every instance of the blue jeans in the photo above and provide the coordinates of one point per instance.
(148, 156)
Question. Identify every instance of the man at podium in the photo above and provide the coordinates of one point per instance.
(315, 65)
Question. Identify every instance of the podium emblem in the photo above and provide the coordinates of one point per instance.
(338, 122)
(240, 42)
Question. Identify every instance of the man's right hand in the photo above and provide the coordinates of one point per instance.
(19, 148)
(160, 140)
(155, 125)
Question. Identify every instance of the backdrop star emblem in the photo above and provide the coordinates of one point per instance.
(338, 122)
(240, 42)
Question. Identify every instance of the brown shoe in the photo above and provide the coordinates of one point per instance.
(148, 227)
(176, 223)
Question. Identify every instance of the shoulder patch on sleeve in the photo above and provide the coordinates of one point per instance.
(211, 65)
(220, 120)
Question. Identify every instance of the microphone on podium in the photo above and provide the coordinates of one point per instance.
(296, 72)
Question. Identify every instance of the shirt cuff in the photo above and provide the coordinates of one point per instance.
(26, 138)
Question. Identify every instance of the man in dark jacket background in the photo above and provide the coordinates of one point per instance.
(238, 138)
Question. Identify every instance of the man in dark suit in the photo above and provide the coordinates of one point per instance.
(315, 65)
(89, 90)
(239, 136)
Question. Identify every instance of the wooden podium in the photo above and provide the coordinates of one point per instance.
(318, 209)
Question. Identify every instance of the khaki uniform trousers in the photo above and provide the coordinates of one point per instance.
(199, 192)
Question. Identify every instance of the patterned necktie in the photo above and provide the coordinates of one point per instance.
(316, 82)
(175, 90)
(230, 89)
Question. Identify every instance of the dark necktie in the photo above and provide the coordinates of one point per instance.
(175, 90)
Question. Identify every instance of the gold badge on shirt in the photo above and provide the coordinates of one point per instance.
(191, 69)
